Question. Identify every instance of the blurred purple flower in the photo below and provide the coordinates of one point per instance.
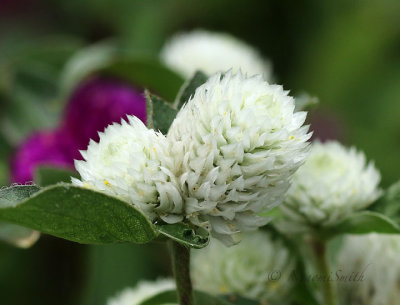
(97, 103)
(42, 148)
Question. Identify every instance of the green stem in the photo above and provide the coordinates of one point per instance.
(181, 266)
(322, 266)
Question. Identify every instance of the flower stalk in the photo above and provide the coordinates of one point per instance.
(322, 267)
(180, 256)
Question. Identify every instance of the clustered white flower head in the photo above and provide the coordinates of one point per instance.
(229, 155)
(242, 141)
(376, 258)
(142, 292)
(258, 268)
(334, 182)
(132, 163)
(211, 53)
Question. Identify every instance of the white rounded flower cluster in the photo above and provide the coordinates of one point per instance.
(373, 260)
(229, 155)
(258, 268)
(142, 292)
(241, 144)
(133, 163)
(211, 53)
(333, 183)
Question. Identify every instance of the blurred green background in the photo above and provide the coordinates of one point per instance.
(346, 52)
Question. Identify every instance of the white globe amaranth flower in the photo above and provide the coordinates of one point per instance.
(334, 182)
(239, 142)
(258, 268)
(211, 53)
(132, 163)
(369, 270)
(142, 292)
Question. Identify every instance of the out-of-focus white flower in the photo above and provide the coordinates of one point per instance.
(211, 53)
(142, 292)
(257, 268)
(241, 142)
(333, 183)
(369, 270)
(132, 163)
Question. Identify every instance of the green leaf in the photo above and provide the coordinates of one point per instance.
(189, 88)
(275, 214)
(366, 222)
(165, 297)
(147, 73)
(305, 102)
(203, 298)
(238, 300)
(169, 297)
(9, 196)
(389, 203)
(17, 236)
(185, 234)
(84, 63)
(160, 114)
(140, 70)
(13, 234)
(76, 214)
(45, 176)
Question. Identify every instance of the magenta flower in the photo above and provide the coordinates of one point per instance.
(42, 148)
(97, 103)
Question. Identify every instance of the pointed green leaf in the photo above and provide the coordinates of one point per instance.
(366, 222)
(169, 297)
(11, 233)
(160, 114)
(140, 70)
(165, 297)
(389, 203)
(185, 234)
(147, 73)
(189, 88)
(85, 62)
(9, 196)
(305, 102)
(45, 176)
(76, 214)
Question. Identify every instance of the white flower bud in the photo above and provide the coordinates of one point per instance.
(333, 183)
(211, 53)
(239, 142)
(132, 163)
(258, 268)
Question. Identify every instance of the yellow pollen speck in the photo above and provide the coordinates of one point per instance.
(225, 113)
(292, 137)
(223, 289)
(154, 149)
(106, 182)
(273, 285)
